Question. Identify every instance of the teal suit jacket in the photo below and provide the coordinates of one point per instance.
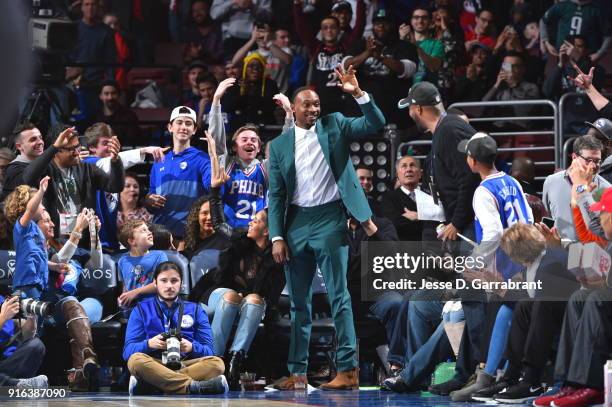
(335, 133)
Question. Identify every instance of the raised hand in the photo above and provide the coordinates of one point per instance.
(282, 101)
(64, 137)
(218, 176)
(348, 81)
(222, 88)
(114, 147)
(582, 80)
(44, 184)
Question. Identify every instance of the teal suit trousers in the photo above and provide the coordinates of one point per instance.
(316, 236)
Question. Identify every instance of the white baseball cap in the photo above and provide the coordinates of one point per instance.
(183, 111)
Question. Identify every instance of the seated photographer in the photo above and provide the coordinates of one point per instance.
(245, 284)
(23, 207)
(138, 265)
(153, 330)
(19, 361)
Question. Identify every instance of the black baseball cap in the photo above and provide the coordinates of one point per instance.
(196, 64)
(481, 147)
(342, 5)
(381, 15)
(422, 94)
(604, 126)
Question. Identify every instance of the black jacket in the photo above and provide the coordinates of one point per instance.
(454, 180)
(89, 179)
(268, 279)
(13, 177)
(386, 233)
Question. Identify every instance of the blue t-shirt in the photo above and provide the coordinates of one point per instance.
(138, 271)
(181, 179)
(31, 262)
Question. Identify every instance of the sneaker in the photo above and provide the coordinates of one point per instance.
(397, 385)
(133, 386)
(444, 389)
(553, 394)
(39, 382)
(483, 380)
(520, 393)
(216, 385)
(488, 393)
(580, 398)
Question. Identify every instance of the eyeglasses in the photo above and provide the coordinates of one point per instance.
(595, 161)
(420, 17)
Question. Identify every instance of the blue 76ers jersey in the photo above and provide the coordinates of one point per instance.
(244, 194)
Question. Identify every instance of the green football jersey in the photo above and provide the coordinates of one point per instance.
(568, 18)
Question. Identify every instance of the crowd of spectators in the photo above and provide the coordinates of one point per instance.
(473, 51)
(241, 62)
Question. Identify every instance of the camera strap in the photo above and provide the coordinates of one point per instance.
(162, 315)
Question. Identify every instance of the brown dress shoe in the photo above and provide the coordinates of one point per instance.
(289, 383)
(343, 381)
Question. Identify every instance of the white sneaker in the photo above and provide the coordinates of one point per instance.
(39, 382)
(132, 385)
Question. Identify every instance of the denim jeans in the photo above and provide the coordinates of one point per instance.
(224, 314)
(23, 363)
(425, 349)
(386, 309)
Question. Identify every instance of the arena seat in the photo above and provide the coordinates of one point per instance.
(101, 283)
(7, 268)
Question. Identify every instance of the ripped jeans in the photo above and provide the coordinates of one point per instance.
(224, 315)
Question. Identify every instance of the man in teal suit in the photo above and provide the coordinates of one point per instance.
(312, 186)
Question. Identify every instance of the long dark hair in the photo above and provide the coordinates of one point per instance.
(192, 228)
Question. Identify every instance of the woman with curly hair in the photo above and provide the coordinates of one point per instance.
(23, 208)
(199, 231)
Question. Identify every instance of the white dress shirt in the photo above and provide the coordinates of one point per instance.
(314, 181)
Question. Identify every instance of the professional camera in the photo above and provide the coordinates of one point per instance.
(29, 306)
(171, 358)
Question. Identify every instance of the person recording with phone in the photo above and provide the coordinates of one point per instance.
(169, 344)
(511, 85)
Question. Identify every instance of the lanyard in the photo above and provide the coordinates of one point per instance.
(162, 315)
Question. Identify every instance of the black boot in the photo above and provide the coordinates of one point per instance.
(235, 365)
